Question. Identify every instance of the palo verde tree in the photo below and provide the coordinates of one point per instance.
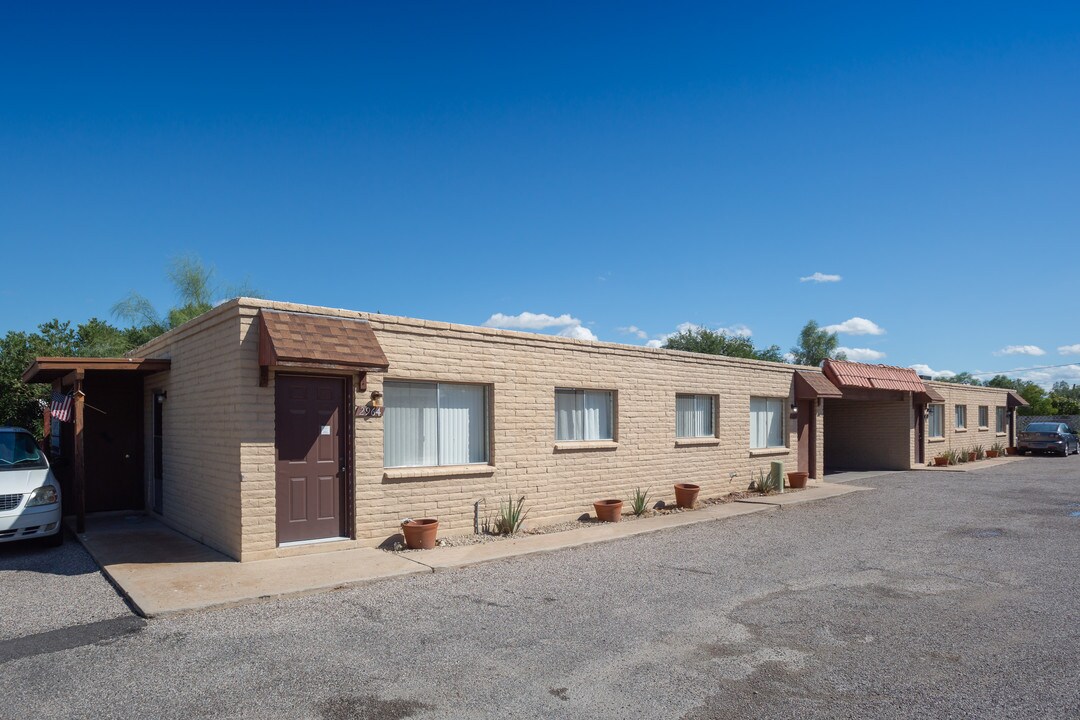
(816, 345)
(196, 288)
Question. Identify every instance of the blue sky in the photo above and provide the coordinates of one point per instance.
(625, 165)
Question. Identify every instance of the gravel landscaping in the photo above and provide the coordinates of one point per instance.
(395, 544)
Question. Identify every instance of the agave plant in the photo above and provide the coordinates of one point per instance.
(510, 517)
(640, 502)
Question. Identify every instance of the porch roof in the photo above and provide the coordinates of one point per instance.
(48, 369)
(303, 339)
(814, 385)
(846, 374)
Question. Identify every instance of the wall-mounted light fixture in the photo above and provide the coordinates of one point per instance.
(376, 399)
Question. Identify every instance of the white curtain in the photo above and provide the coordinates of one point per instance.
(410, 424)
(694, 416)
(766, 422)
(583, 415)
(597, 415)
(567, 415)
(462, 431)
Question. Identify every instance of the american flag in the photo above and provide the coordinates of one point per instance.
(60, 407)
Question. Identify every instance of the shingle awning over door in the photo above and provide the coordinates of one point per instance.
(1015, 399)
(302, 340)
(812, 385)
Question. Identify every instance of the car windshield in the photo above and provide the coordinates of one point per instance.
(1043, 427)
(18, 451)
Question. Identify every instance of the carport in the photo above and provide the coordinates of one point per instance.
(878, 422)
(104, 440)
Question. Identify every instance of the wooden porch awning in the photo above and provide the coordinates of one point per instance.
(814, 385)
(318, 341)
(931, 395)
(48, 369)
(1015, 399)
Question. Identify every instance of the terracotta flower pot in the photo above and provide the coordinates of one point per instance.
(797, 479)
(686, 494)
(1010, 451)
(608, 510)
(991, 454)
(972, 457)
(941, 461)
(420, 534)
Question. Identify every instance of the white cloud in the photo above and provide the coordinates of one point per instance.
(738, 330)
(789, 357)
(861, 354)
(655, 343)
(578, 332)
(820, 278)
(530, 321)
(923, 369)
(856, 326)
(633, 330)
(1070, 349)
(1021, 350)
(1046, 377)
(569, 325)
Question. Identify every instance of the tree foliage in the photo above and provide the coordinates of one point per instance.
(196, 287)
(816, 345)
(718, 342)
(19, 402)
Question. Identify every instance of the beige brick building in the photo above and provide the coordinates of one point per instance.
(283, 429)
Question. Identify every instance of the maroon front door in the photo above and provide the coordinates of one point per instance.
(807, 436)
(310, 457)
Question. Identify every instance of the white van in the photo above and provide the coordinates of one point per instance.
(29, 492)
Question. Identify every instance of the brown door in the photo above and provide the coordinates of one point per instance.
(310, 455)
(113, 443)
(807, 433)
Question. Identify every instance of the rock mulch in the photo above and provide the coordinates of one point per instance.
(396, 543)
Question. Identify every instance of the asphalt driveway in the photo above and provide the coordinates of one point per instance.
(937, 595)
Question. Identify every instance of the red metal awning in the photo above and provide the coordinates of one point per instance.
(846, 374)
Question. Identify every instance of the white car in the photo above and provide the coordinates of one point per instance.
(29, 492)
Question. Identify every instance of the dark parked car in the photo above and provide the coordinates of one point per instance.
(1048, 437)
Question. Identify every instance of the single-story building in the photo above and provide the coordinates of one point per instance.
(266, 429)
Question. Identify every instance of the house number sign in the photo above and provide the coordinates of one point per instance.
(369, 411)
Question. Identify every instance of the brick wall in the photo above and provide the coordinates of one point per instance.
(869, 434)
(972, 397)
(522, 371)
(204, 421)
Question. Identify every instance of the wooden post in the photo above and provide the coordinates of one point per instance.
(80, 457)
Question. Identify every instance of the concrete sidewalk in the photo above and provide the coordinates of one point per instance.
(975, 466)
(162, 572)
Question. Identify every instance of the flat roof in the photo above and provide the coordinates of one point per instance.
(47, 369)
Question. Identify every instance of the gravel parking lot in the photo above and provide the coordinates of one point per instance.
(937, 595)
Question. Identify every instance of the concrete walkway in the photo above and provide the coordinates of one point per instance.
(162, 572)
(975, 466)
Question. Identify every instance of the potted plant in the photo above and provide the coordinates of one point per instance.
(972, 456)
(1011, 450)
(941, 460)
(608, 510)
(996, 450)
(797, 479)
(419, 534)
(686, 494)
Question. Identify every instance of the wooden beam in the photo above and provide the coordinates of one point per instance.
(80, 457)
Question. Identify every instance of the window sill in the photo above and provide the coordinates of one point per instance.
(765, 452)
(960, 430)
(576, 445)
(935, 440)
(442, 471)
(984, 428)
(1001, 434)
(697, 442)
